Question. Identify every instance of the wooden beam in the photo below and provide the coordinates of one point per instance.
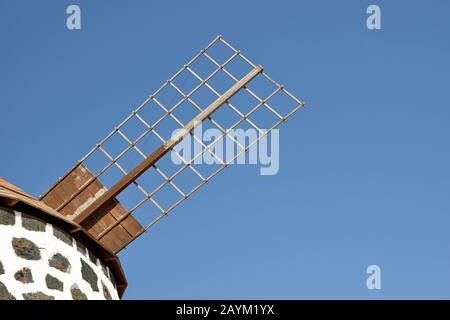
(165, 148)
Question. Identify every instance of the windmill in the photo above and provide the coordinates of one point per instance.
(65, 244)
(219, 88)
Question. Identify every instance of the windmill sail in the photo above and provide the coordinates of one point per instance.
(218, 88)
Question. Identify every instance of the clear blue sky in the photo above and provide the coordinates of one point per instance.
(364, 175)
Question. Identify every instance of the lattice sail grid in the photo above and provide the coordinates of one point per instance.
(261, 104)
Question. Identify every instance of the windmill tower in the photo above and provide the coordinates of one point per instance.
(68, 240)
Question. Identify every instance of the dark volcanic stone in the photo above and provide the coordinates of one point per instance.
(58, 261)
(104, 269)
(106, 293)
(111, 277)
(89, 275)
(37, 296)
(24, 275)
(62, 235)
(93, 258)
(54, 283)
(7, 217)
(81, 247)
(26, 249)
(4, 293)
(32, 224)
(77, 294)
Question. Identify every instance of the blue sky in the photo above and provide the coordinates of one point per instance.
(364, 169)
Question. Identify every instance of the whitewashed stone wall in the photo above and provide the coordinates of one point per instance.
(41, 262)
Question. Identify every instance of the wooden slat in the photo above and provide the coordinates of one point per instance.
(116, 238)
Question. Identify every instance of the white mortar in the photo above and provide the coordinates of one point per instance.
(49, 245)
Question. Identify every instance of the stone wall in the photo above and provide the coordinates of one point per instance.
(39, 261)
